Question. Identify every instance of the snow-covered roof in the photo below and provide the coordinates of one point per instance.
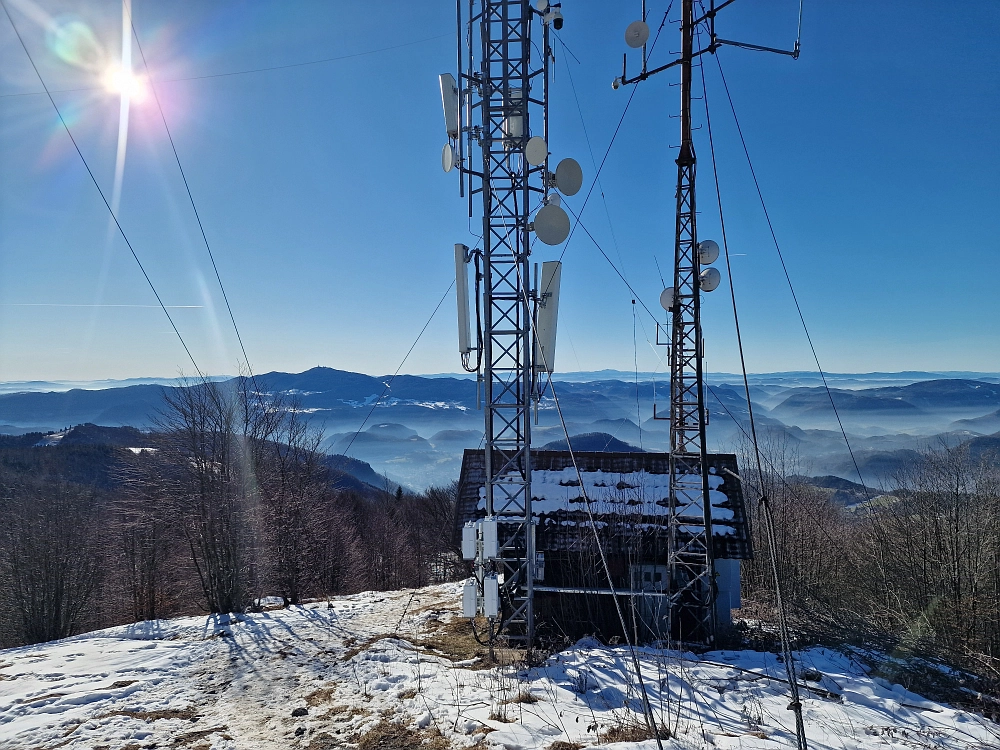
(629, 487)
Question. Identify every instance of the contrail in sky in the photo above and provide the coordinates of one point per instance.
(94, 304)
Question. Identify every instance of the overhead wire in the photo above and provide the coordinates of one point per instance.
(194, 206)
(788, 279)
(93, 178)
(635, 361)
(614, 136)
(252, 70)
(608, 259)
(590, 149)
(388, 384)
(764, 502)
(647, 707)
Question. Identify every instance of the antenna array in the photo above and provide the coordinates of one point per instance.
(496, 116)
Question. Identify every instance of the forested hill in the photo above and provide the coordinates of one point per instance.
(91, 456)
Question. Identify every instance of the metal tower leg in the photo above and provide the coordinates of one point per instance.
(690, 556)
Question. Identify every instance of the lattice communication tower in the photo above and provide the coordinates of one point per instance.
(496, 115)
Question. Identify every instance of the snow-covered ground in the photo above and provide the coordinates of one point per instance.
(320, 677)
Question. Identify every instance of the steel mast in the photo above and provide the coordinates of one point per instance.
(502, 95)
(690, 558)
(689, 555)
(504, 87)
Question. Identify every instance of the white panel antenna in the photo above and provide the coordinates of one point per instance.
(491, 546)
(449, 102)
(513, 124)
(470, 541)
(462, 295)
(470, 599)
(547, 318)
(491, 596)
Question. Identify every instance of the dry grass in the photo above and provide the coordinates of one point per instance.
(45, 697)
(324, 741)
(199, 734)
(630, 733)
(455, 640)
(319, 697)
(356, 647)
(344, 713)
(523, 697)
(187, 714)
(390, 736)
(560, 745)
(441, 606)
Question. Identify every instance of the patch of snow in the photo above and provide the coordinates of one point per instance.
(227, 682)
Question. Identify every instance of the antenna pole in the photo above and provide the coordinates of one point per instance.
(690, 556)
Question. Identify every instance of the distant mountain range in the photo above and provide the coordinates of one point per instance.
(413, 428)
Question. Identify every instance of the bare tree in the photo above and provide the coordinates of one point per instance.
(205, 438)
(146, 540)
(52, 552)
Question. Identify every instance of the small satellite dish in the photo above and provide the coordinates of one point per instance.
(536, 150)
(542, 5)
(710, 279)
(447, 157)
(708, 252)
(667, 299)
(552, 224)
(553, 199)
(636, 34)
(569, 177)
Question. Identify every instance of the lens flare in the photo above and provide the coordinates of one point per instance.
(117, 80)
(74, 42)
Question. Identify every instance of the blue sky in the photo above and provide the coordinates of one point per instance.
(322, 195)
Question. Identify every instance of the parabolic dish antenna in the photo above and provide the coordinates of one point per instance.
(708, 252)
(569, 177)
(447, 157)
(552, 224)
(710, 279)
(667, 299)
(535, 150)
(636, 34)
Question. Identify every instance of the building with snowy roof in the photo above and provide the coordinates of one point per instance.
(629, 497)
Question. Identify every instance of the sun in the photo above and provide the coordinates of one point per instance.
(125, 83)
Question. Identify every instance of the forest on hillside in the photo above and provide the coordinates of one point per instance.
(229, 503)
